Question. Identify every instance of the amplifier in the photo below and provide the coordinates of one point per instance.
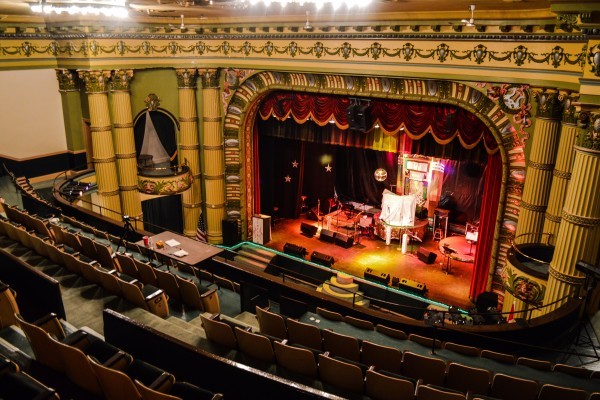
(308, 229)
(376, 276)
(294, 249)
(412, 286)
(428, 257)
(326, 235)
(344, 241)
(321, 259)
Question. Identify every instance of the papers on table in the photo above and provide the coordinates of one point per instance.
(181, 253)
(172, 243)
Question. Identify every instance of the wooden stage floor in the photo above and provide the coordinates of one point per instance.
(450, 289)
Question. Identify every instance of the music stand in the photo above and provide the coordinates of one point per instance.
(471, 237)
(448, 251)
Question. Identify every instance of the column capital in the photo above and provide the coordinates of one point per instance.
(96, 81)
(67, 80)
(209, 77)
(569, 112)
(120, 80)
(186, 78)
(589, 129)
(549, 105)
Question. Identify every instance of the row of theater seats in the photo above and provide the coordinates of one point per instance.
(542, 365)
(354, 356)
(87, 361)
(141, 283)
(101, 368)
(19, 385)
(23, 185)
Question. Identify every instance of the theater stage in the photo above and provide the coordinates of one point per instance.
(372, 252)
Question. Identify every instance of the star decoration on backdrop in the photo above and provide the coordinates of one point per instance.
(328, 168)
(294, 164)
(288, 179)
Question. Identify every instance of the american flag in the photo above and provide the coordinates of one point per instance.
(201, 230)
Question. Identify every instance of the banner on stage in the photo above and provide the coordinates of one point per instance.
(398, 210)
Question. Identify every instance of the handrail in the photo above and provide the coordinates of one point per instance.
(548, 242)
(178, 169)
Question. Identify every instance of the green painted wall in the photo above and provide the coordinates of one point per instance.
(162, 82)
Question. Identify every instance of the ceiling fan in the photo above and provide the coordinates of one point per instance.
(471, 21)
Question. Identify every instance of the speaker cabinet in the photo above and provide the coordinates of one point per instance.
(412, 286)
(343, 240)
(294, 250)
(308, 229)
(231, 232)
(327, 236)
(376, 276)
(428, 257)
(321, 259)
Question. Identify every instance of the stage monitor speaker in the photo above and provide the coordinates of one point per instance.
(327, 236)
(428, 257)
(321, 259)
(343, 240)
(294, 250)
(376, 276)
(308, 229)
(486, 300)
(231, 233)
(412, 286)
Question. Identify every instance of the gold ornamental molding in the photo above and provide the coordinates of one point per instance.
(100, 128)
(552, 217)
(123, 125)
(124, 156)
(570, 279)
(215, 206)
(192, 205)
(580, 220)
(108, 194)
(120, 80)
(532, 207)
(209, 78)
(540, 166)
(562, 174)
(209, 147)
(214, 177)
(96, 82)
(128, 188)
(67, 81)
(212, 119)
(188, 119)
(189, 147)
(103, 160)
(186, 78)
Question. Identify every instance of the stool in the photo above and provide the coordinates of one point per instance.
(438, 235)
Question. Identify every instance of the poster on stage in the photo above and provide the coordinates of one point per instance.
(398, 210)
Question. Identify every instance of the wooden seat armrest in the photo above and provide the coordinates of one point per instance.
(94, 263)
(77, 339)
(113, 272)
(154, 295)
(284, 341)
(215, 317)
(217, 396)
(51, 324)
(248, 329)
(119, 361)
(163, 382)
(208, 293)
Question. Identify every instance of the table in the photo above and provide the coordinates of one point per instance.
(197, 251)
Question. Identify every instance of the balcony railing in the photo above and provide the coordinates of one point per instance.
(164, 180)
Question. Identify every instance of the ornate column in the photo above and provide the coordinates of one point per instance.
(213, 155)
(124, 143)
(96, 85)
(579, 231)
(540, 164)
(68, 86)
(189, 148)
(563, 166)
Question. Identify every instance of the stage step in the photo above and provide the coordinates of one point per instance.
(255, 256)
(358, 296)
(262, 253)
(248, 262)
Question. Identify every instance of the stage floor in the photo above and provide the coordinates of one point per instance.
(451, 289)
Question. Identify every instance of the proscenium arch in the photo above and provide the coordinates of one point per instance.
(242, 110)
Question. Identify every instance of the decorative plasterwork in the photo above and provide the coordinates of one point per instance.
(186, 78)
(548, 103)
(121, 78)
(67, 80)
(523, 287)
(95, 81)
(589, 133)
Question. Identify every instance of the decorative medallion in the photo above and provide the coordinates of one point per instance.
(513, 97)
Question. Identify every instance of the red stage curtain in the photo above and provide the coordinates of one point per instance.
(445, 122)
(487, 224)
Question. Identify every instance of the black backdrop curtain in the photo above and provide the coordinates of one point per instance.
(163, 213)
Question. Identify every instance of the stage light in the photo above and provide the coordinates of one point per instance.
(107, 8)
(380, 174)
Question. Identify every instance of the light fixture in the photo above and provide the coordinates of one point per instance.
(332, 120)
(317, 3)
(107, 8)
(380, 174)
(376, 125)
